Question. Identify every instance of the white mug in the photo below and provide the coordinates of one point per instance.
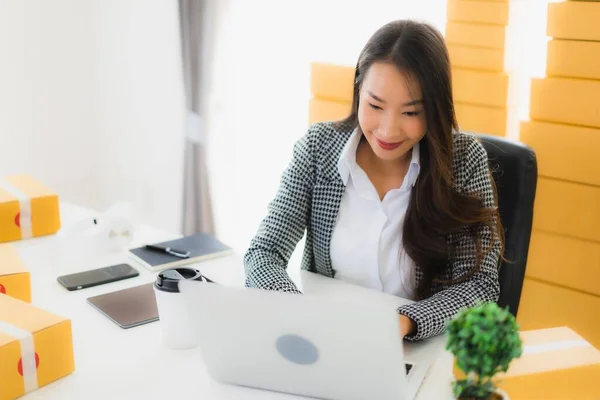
(176, 323)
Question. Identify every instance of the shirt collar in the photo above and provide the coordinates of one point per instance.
(347, 160)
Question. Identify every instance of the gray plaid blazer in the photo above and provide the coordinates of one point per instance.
(308, 200)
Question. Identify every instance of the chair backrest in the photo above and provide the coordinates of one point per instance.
(514, 168)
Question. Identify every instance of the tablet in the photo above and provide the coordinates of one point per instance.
(128, 307)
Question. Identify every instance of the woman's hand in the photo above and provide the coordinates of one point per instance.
(407, 326)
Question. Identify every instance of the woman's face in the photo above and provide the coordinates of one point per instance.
(391, 114)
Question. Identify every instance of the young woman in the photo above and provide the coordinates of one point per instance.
(394, 197)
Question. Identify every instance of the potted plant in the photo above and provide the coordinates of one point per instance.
(484, 340)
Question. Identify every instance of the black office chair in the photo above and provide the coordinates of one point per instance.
(514, 168)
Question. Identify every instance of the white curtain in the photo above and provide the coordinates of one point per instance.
(198, 23)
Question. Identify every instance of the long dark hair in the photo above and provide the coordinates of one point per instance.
(436, 209)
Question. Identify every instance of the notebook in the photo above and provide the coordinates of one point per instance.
(202, 246)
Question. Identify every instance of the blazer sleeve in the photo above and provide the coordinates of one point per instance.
(432, 315)
(266, 259)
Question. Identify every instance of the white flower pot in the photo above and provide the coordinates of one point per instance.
(502, 393)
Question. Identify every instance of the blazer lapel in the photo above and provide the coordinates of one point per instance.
(327, 196)
(327, 199)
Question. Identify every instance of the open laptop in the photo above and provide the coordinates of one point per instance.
(302, 344)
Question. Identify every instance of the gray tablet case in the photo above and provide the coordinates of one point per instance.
(128, 307)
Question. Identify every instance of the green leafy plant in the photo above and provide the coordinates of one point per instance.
(484, 340)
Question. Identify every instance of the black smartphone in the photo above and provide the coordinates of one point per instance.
(95, 277)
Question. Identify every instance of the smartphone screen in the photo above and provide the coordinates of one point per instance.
(98, 276)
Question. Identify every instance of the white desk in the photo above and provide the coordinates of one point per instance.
(113, 363)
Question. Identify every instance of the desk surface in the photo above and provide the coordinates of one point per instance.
(114, 363)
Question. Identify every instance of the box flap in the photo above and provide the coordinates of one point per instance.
(26, 316)
(10, 261)
(550, 335)
(553, 349)
(30, 186)
(5, 196)
(6, 339)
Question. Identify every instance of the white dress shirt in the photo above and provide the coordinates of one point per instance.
(366, 244)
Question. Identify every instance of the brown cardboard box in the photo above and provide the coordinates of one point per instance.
(556, 363)
(480, 87)
(477, 58)
(36, 348)
(573, 59)
(482, 12)
(27, 208)
(476, 35)
(566, 100)
(479, 118)
(15, 280)
(574, 20)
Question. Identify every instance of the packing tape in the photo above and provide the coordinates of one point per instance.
(28, 358)
(24, 207)
(554, 346)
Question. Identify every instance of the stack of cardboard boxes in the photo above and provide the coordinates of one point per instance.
(476, 36)
(563, 270)
(36, 347)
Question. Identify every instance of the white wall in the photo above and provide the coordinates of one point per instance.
(525, 57)
(91, 96)
(91, 101)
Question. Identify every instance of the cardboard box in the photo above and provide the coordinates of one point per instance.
(332, 82)
(567, 208)
(476, 58)
(545, 304)
(36, 348)
(494, 13)
(574, 20)
(476, 35)
(480, 87)
(564, 151)
(481, 119)
(27, 208)
(326, 110)
(573, 58)
(566, 100)
(546, 260)
(556, 363)
(15, 280)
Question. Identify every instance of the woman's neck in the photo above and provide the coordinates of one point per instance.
(368, 160)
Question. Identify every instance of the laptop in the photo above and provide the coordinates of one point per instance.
(302, 344)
